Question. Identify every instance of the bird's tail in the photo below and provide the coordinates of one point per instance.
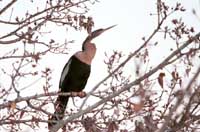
(60, 107)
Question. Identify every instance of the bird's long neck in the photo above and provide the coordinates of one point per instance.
(87, 40)
(90, 52)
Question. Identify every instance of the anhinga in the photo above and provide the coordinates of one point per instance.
(75, 74)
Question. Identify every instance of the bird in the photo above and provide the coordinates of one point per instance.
(75, 74)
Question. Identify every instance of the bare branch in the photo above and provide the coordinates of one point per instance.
(20, 99)
(7, 6)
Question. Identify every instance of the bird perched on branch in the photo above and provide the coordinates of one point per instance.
(75, 74)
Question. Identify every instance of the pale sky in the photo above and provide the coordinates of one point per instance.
(133, 22)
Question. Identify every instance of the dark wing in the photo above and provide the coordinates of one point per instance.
(65, 72)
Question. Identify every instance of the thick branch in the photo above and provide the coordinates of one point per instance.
(11, 41)
(20, 99)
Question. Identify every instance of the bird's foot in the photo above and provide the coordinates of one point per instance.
(82, 94)
(78, 94)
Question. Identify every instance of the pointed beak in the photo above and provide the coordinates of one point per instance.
(98, 32)
(109, 28)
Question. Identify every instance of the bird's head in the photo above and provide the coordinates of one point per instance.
(98, 32)
(95, 34)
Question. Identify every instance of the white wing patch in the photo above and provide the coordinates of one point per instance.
(65, 71)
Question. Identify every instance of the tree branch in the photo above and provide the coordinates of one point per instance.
(20, 99)
(7, 6)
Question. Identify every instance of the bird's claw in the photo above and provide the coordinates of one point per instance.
(82, 94)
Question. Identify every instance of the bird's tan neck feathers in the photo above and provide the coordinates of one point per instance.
(88, 54)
